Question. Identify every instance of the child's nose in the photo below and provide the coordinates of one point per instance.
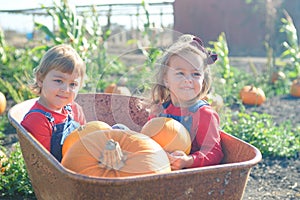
(188, 78)
(65, 88)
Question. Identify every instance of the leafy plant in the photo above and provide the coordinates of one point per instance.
(259, 130)
(3, 56)
(89, 41)
(3, 121)
(14, 181)
(228, 80)
(221, 48)
(18, 94)
(151, 51)
(292, 50)
(70, 26)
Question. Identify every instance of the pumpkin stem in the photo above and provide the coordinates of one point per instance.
(112, 156)
(252, 86)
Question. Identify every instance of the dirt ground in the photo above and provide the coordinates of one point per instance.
(276, 178)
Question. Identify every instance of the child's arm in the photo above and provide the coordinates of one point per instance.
(208, 139)
(39, 126)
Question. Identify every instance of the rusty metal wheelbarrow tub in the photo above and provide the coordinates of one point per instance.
(50, 180)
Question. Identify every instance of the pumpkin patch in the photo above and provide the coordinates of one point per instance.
(168, 133)
(2, 103)
(116, 153)
(251, 95)
(83, 130)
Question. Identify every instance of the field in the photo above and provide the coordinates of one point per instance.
(129, 59)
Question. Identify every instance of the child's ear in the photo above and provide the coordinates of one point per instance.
(39, 81)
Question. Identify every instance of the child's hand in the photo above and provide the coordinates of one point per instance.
(179, 160)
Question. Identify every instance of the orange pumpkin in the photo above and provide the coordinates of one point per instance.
(295, 88)
(110, 88)
(113, 88)
(251, 95)
(170, 134)
(82, 131)
(116, 153)
(2, 103)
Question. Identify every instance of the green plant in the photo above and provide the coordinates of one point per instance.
(89, 40)
(228, 80)
(14, 181)
(70, 26)
(3, 56)
(17, 90)
(277, 140)
(151, 51)
(221, 48)
(3, 121)
(291, 45)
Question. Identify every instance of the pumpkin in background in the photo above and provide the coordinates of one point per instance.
(83, 130)
(295, 88)
(251, 95)
(2, 103)
(116, 153)
(116, 89)
(110, 88)
(170, 134)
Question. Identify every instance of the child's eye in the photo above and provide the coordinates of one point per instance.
(58, 80)
(197, 74)
(73, 85)
(180, 73)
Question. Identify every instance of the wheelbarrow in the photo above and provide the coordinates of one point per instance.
(50, 180)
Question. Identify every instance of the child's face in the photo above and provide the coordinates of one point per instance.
(58, 89)
(184, 77)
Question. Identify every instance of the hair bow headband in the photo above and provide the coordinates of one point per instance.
(197, 42)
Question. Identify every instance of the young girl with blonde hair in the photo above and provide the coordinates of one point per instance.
(183, 79)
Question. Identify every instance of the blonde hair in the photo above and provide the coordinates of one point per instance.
(62, 58)
(160, 93)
